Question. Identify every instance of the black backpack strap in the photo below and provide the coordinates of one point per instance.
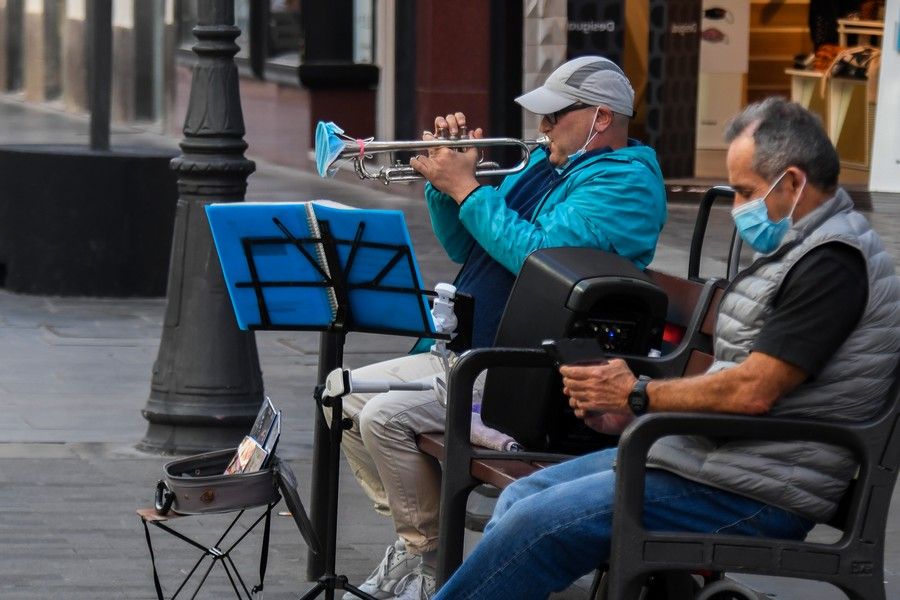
(264, 552)
(159, 593)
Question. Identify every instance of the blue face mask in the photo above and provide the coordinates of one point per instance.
(577, 154)
(755, 227)
(329, 144)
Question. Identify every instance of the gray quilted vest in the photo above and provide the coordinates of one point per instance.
(806, 478)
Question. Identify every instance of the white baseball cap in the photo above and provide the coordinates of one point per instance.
(591, 80)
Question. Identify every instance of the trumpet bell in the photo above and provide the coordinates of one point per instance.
(329, 146)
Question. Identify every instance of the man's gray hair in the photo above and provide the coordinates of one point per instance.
(786, 134)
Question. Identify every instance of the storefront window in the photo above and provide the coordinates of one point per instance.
(363, 22)
(285, 31)
(272, 34)
(187, 18)
(242, 20)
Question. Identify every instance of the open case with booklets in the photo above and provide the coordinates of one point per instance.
(257, 448)
(226, 480)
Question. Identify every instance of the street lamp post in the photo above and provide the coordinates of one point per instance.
(207, 385)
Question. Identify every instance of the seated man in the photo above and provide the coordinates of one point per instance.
(592, 186)
(811, 329)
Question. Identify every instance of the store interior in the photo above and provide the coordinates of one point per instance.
(753, 50)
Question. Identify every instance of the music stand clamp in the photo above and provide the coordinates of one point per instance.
(313, 267)
(340, 382)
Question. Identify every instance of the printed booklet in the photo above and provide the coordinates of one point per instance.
(257, 447)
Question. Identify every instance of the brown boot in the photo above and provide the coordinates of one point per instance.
(825, 56)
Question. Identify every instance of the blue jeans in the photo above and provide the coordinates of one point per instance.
(551, 528)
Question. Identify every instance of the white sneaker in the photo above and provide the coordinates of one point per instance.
(416, 586)
(396, 564)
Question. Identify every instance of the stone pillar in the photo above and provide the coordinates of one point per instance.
(11, 34)
(74, 65)
(544, 49)
(385, 57)
(34, 52)
(207, 385)
(41, 49)
(123, 62)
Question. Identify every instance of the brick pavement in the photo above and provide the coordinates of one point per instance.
(74, 375)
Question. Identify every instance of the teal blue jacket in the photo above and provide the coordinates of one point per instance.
(614, 201)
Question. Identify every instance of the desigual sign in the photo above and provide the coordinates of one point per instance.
(683, 28)
(592, 26)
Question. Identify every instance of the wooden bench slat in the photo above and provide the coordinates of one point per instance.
(683, 296)
(709, 321)
(501, 473)
(698, 363)
(432, 444)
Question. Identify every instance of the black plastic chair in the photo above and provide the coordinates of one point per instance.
(854, 563)
(713, 195)
(458, 480)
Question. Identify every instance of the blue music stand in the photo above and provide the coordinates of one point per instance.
(312, 266)
(321, 267)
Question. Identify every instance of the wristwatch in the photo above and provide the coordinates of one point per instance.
(637, 399)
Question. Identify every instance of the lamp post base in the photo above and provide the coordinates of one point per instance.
(185, 439)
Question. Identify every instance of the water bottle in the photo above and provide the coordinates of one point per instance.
(442, 311)
(444, 322)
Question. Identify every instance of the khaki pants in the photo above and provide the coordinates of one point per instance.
(381, 447)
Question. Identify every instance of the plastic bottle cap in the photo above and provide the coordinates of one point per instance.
(445, 289)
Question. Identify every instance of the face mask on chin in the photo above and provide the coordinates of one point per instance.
(755, 227)
(577, 154)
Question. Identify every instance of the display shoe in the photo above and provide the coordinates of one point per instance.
(825, 56)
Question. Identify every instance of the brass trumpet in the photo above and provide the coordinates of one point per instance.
(331, 148)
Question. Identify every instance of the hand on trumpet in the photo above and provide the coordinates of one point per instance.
(449, 170)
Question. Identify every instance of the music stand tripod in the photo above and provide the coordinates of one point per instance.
(351, 262)
(337, 385)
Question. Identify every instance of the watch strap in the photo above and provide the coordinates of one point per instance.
(638, 400)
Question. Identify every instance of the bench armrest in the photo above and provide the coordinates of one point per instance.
(640, 435)
(472, 363)
(864, 505)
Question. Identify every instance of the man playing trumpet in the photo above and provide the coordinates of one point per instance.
(591, 186)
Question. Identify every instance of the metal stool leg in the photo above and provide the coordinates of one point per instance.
(216, 555)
